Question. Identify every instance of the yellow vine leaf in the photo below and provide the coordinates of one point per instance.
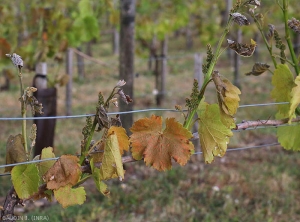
(158, 146)
(15, 151)
(68, 196)
(123, 141)
(283, 82)
(214, 136)
(64, 171)
(228, 94)
(112, 165)
(43, 167)
(295, 100)
(288, 137)
(122, 137)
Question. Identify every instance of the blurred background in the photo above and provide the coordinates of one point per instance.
(80, 47)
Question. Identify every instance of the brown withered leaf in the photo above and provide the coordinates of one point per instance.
(253, 2)
(15, 152)
(241, 48)
(271, 31)
(42, 192)
(228, 94)
(102, 118)
(239, 19)
(116, 121)
(258, 69)
(294, 24)
(65, 170)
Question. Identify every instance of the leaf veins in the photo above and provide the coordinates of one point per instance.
(158, 146)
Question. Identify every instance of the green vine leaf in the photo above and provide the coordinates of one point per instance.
(68, 196)
(295, 101)
(288, 137)
(25, 179)
(101, 186)
(112, 165)
(65, 170)
(15, 152)
(158, 146)
(283, 83)
(214, 135)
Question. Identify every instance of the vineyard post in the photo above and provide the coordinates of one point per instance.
(126, 58)
(80, 65)
(116, 41)
(164, 68)
(69, 71)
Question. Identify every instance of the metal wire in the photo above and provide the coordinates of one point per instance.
(246, 148)
(196, 153)
(28, 162)
(126, 112)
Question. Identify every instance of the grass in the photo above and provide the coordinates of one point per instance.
(256, 185)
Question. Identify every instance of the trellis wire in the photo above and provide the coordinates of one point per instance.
(126, 112)
(196, 153)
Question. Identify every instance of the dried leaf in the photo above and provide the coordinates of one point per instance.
(68, 196)
(239, 19)
(15, 152)
(121, 83)
(271, 31)
(258, 69)
(65, 170)
(116, 121)
(16, 59)
(125, 98)
(253, 2)
(294, 24)
(214, 136)
(228, 94)
(42, 193)
(102, 118)
(242, 49)
(158, 146)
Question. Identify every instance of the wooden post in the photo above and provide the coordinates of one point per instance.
(164, 68)
(69, 71)
(80, 65)
(116, 41)
(198, 59)
(237, 60)
(126, 64)
(7, 80)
